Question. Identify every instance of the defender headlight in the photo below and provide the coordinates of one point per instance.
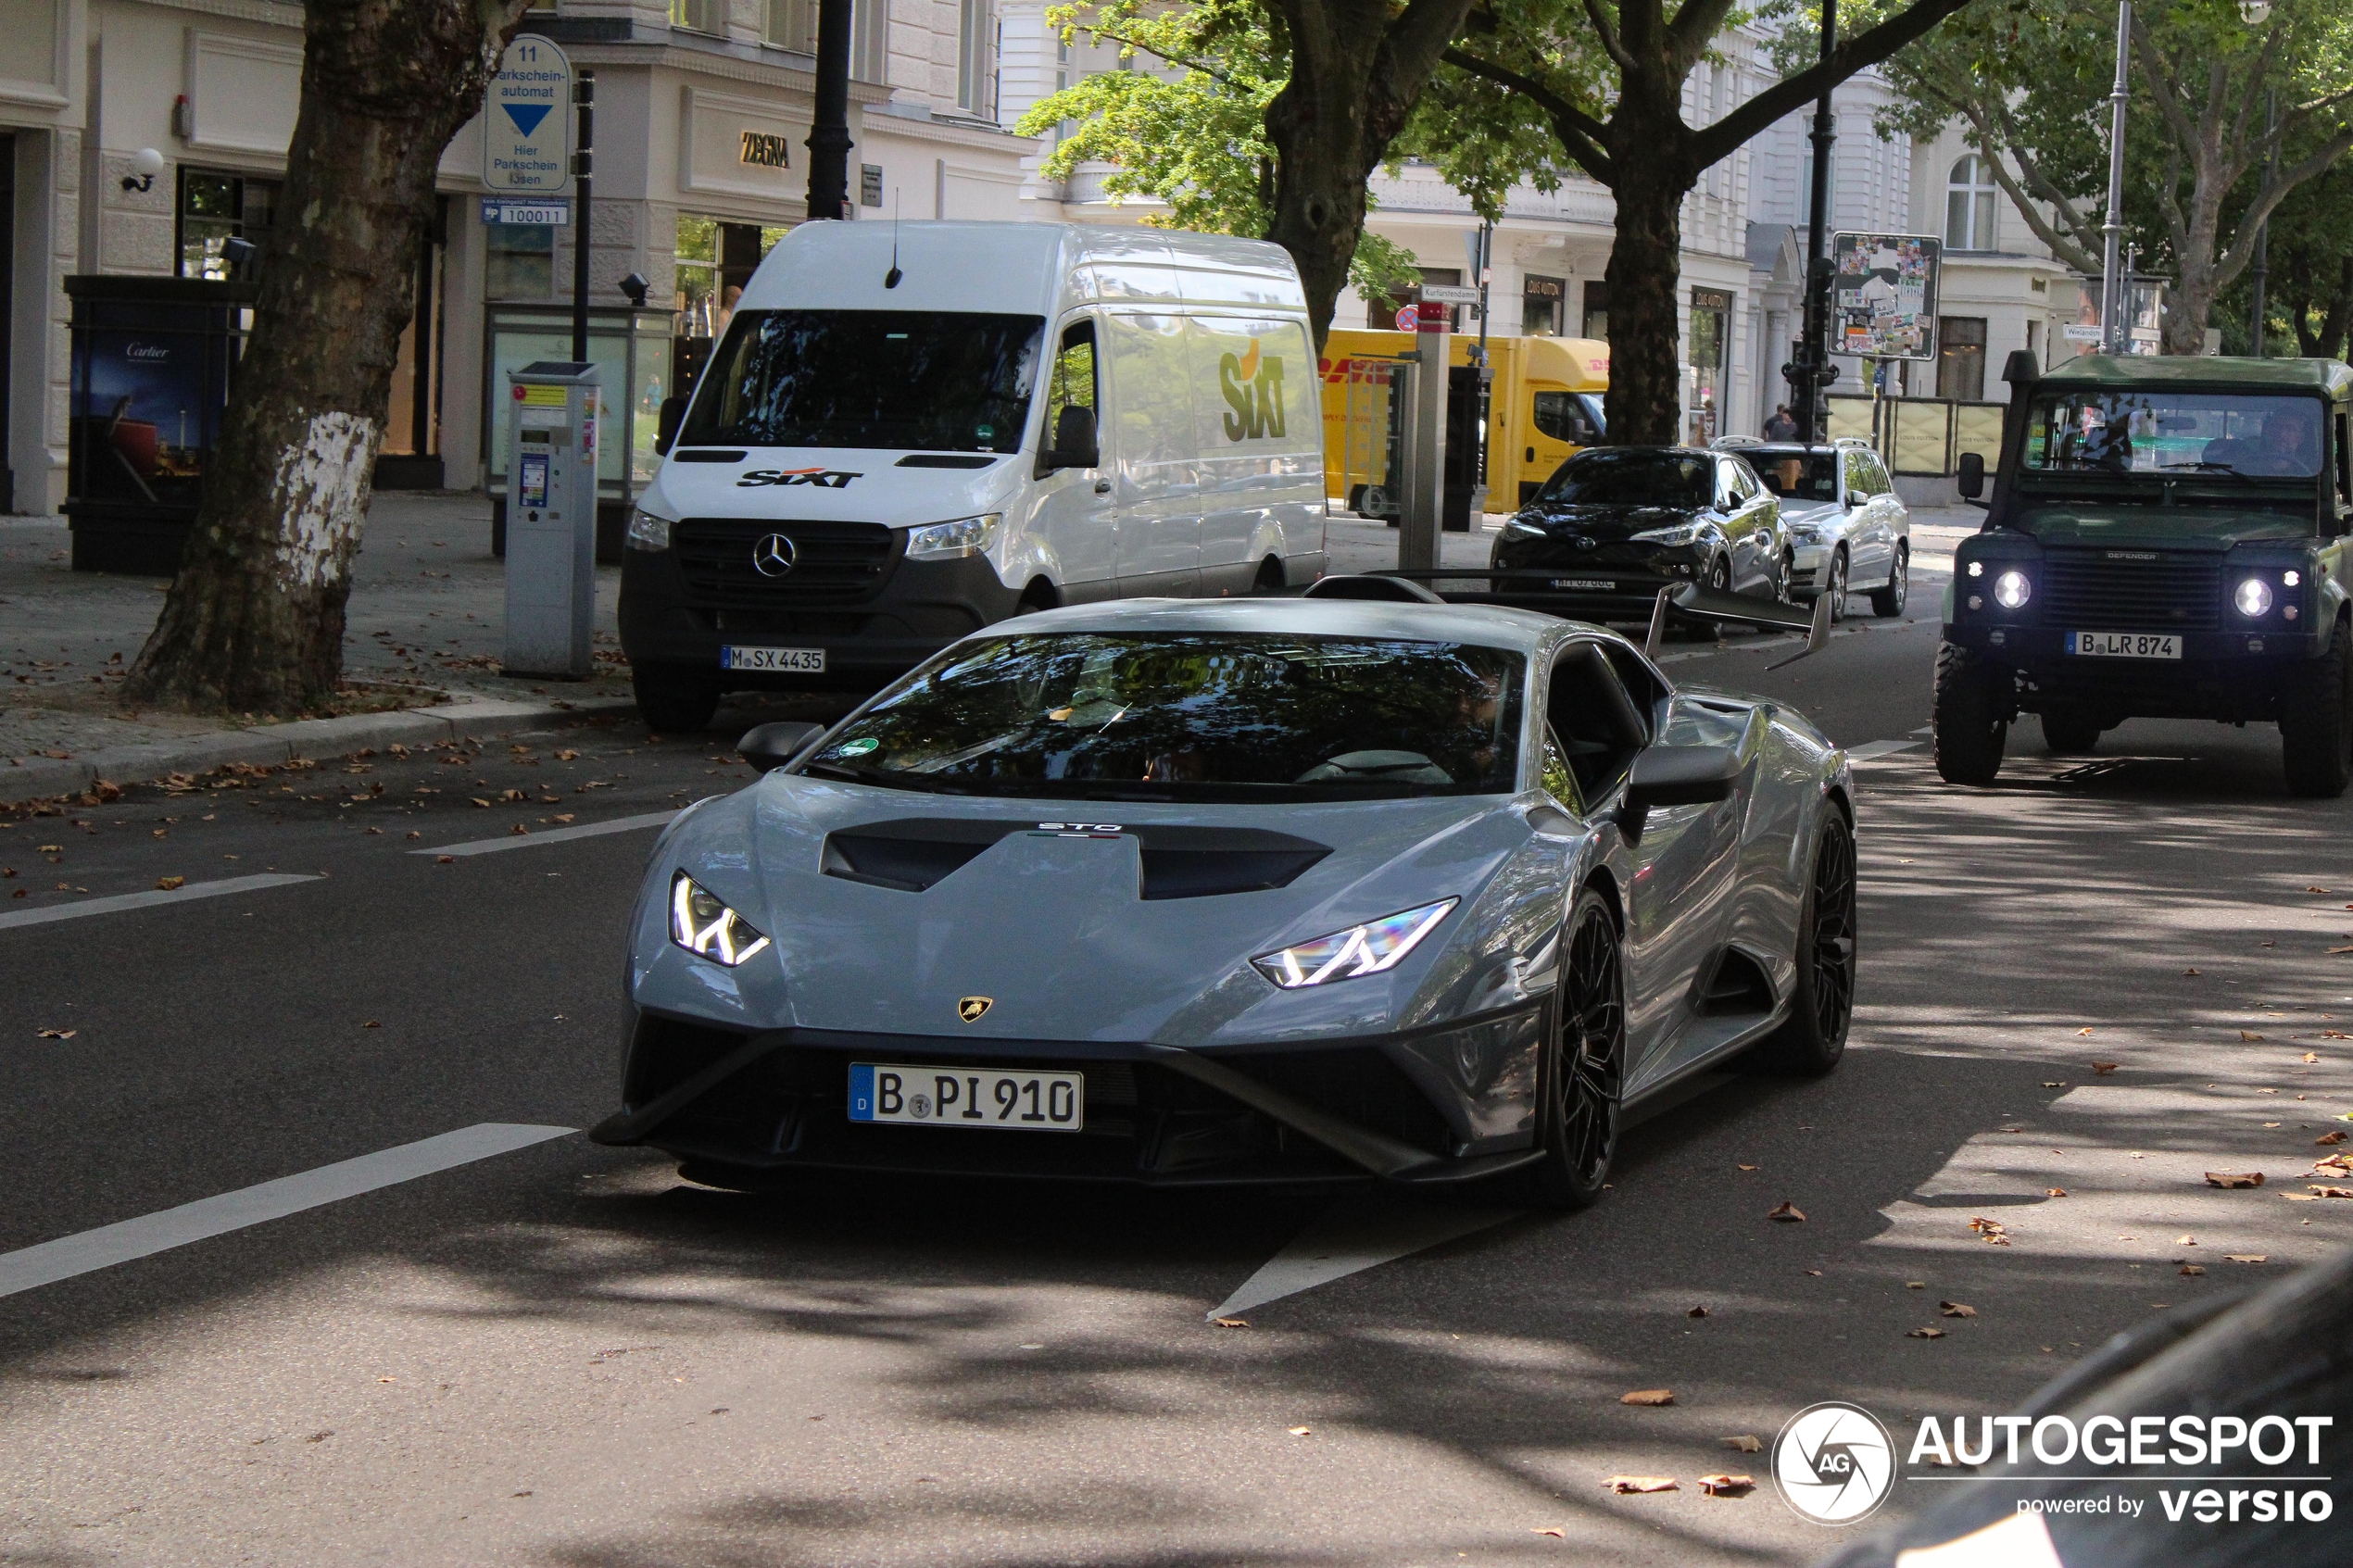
(647, 532)
(1681, 533)
(2253, 597)
(1369, 948)
(2011, 590)
(952, 541)
(703, 925)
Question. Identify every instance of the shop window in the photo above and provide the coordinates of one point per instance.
(518, 261)
(1595, 323)
(715, 261)
(701, 16)
(1960, 358)
(1711, 318)
(792, 24)
(1968, 205)
(1805, 191)
(216, 208)
(1539, 306)
(412, 420)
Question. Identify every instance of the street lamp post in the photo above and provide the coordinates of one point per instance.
(1811, 364)
(2114, 338)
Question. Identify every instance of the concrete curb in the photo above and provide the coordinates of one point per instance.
(275, 744)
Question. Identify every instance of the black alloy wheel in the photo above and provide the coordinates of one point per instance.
(2316, 723)
(1580, 1075)
(1836, 591)
(1888, 602)
(673, 703)
(2070, 732)
(1821, 1005)
(1971, 715)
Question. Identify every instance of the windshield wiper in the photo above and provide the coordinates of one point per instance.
(2218, 468)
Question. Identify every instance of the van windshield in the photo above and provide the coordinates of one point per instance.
(921, 379)
(2176, 433)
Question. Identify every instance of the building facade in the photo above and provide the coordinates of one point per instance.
(704, 110)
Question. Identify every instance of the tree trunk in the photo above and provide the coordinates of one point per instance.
(255, 621)
(1645, 269)
(1357, 67)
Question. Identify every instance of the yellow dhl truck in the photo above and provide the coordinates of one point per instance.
(1545, 403)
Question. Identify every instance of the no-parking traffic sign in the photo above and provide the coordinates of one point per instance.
(527, 119)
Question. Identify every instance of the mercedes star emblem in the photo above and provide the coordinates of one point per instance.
(773, 555)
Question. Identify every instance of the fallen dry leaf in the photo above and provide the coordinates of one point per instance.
(1233, 1322)
(1623, 1485)
(1553, 1530)
(478, 800)
(2053, 1192)
(445, 859)
(1814, 1273)
(1928, 1333)
(567, 756)
(2341, 949)
(2185, 1241)
(2054, 1082)
(1915, 1285)
(55, 1033)
(2234, 1178)
(2190, 971)
(2330, 1192)
(1725, 1486)
(2080, 1033)
(561, 817)
(2312, 1055)
(1746, 1167)
(1696, 1312)
(1302, 1431)
(2245, 1257)
(1745, 1444)
(2194, 1269)
(2327, 1138)
(2104, 1068)
(1786, 1212)
(1648, 1396)
(519, 828)
(2250, 1034)
(1957, 1309)
(167, 884)
(2320, 890)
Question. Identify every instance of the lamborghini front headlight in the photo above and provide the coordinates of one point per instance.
(703, 925)
(1369, 948)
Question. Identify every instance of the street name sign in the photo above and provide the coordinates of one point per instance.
(1450, 293)
(527, 120)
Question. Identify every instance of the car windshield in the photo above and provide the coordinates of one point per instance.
(1603, 476)
(1194, 716)
(2175, 433)
(927, 379)
(1797, 476)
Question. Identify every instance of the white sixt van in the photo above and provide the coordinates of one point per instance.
(913, 431)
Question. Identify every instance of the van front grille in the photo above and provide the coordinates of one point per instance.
(2092, 591)
(831, 562)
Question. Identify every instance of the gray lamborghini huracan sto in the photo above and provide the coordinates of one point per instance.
(1242, 891)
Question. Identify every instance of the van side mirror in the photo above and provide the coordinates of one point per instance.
(770, 747)
(1971, 475)
(666, 423)
(1075, 441)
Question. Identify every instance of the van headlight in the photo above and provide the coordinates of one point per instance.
(1369, 948)
(707, 927)
(952, 541)
(647, 532)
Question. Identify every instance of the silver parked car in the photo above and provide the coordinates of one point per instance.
(1848, 529)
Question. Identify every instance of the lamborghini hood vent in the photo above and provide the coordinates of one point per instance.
(913, 854)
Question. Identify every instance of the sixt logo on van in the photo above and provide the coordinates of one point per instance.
(829, 478)
(1253, 388)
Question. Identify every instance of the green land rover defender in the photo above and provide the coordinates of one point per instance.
(2165, 539)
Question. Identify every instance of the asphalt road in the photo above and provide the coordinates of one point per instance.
(563, 1355)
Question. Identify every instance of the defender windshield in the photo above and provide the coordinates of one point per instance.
(932, 381)
(1607, 476)
(2176, 434)
(1194, 716)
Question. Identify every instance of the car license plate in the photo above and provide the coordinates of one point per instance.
(795, 661)
(1583, 586)
(2125, 645)
(968, 1096)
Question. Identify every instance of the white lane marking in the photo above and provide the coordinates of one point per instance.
(109, 1244)
(1879, 748)
(553, 836)
(1352, 1236)
(1925, 730)
(113, 902)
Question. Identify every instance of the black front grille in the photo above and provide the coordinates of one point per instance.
(2093, 591)
(831, 562)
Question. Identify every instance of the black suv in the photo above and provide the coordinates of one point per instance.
(2165, 539)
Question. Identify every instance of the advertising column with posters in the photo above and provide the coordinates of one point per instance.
(1883, 303)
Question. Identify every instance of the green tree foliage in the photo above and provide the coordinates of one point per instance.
(2030, 80)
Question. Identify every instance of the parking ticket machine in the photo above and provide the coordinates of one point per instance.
(552, 519)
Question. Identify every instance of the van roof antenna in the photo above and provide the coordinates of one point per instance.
(890, 278)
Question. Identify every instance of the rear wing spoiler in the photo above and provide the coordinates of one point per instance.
(1532, 590)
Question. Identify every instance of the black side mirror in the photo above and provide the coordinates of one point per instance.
(770, 747)
(1682, 775)
(1971, 475)
(666, 423)
(1074, 443)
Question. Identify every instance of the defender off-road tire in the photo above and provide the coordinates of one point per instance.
(673, 704)
(1970, 719)
(2316, 726)
(1821, 1004)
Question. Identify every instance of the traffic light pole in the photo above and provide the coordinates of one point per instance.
(1810, 370)
(829, 119)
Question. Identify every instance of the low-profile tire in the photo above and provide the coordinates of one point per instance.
(1581, 1074)
(1821, 1003)
(1888, 602)
(2316, 726)
(1836, 591)
(2070, 732)
(672, 703)
(1970, 716)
